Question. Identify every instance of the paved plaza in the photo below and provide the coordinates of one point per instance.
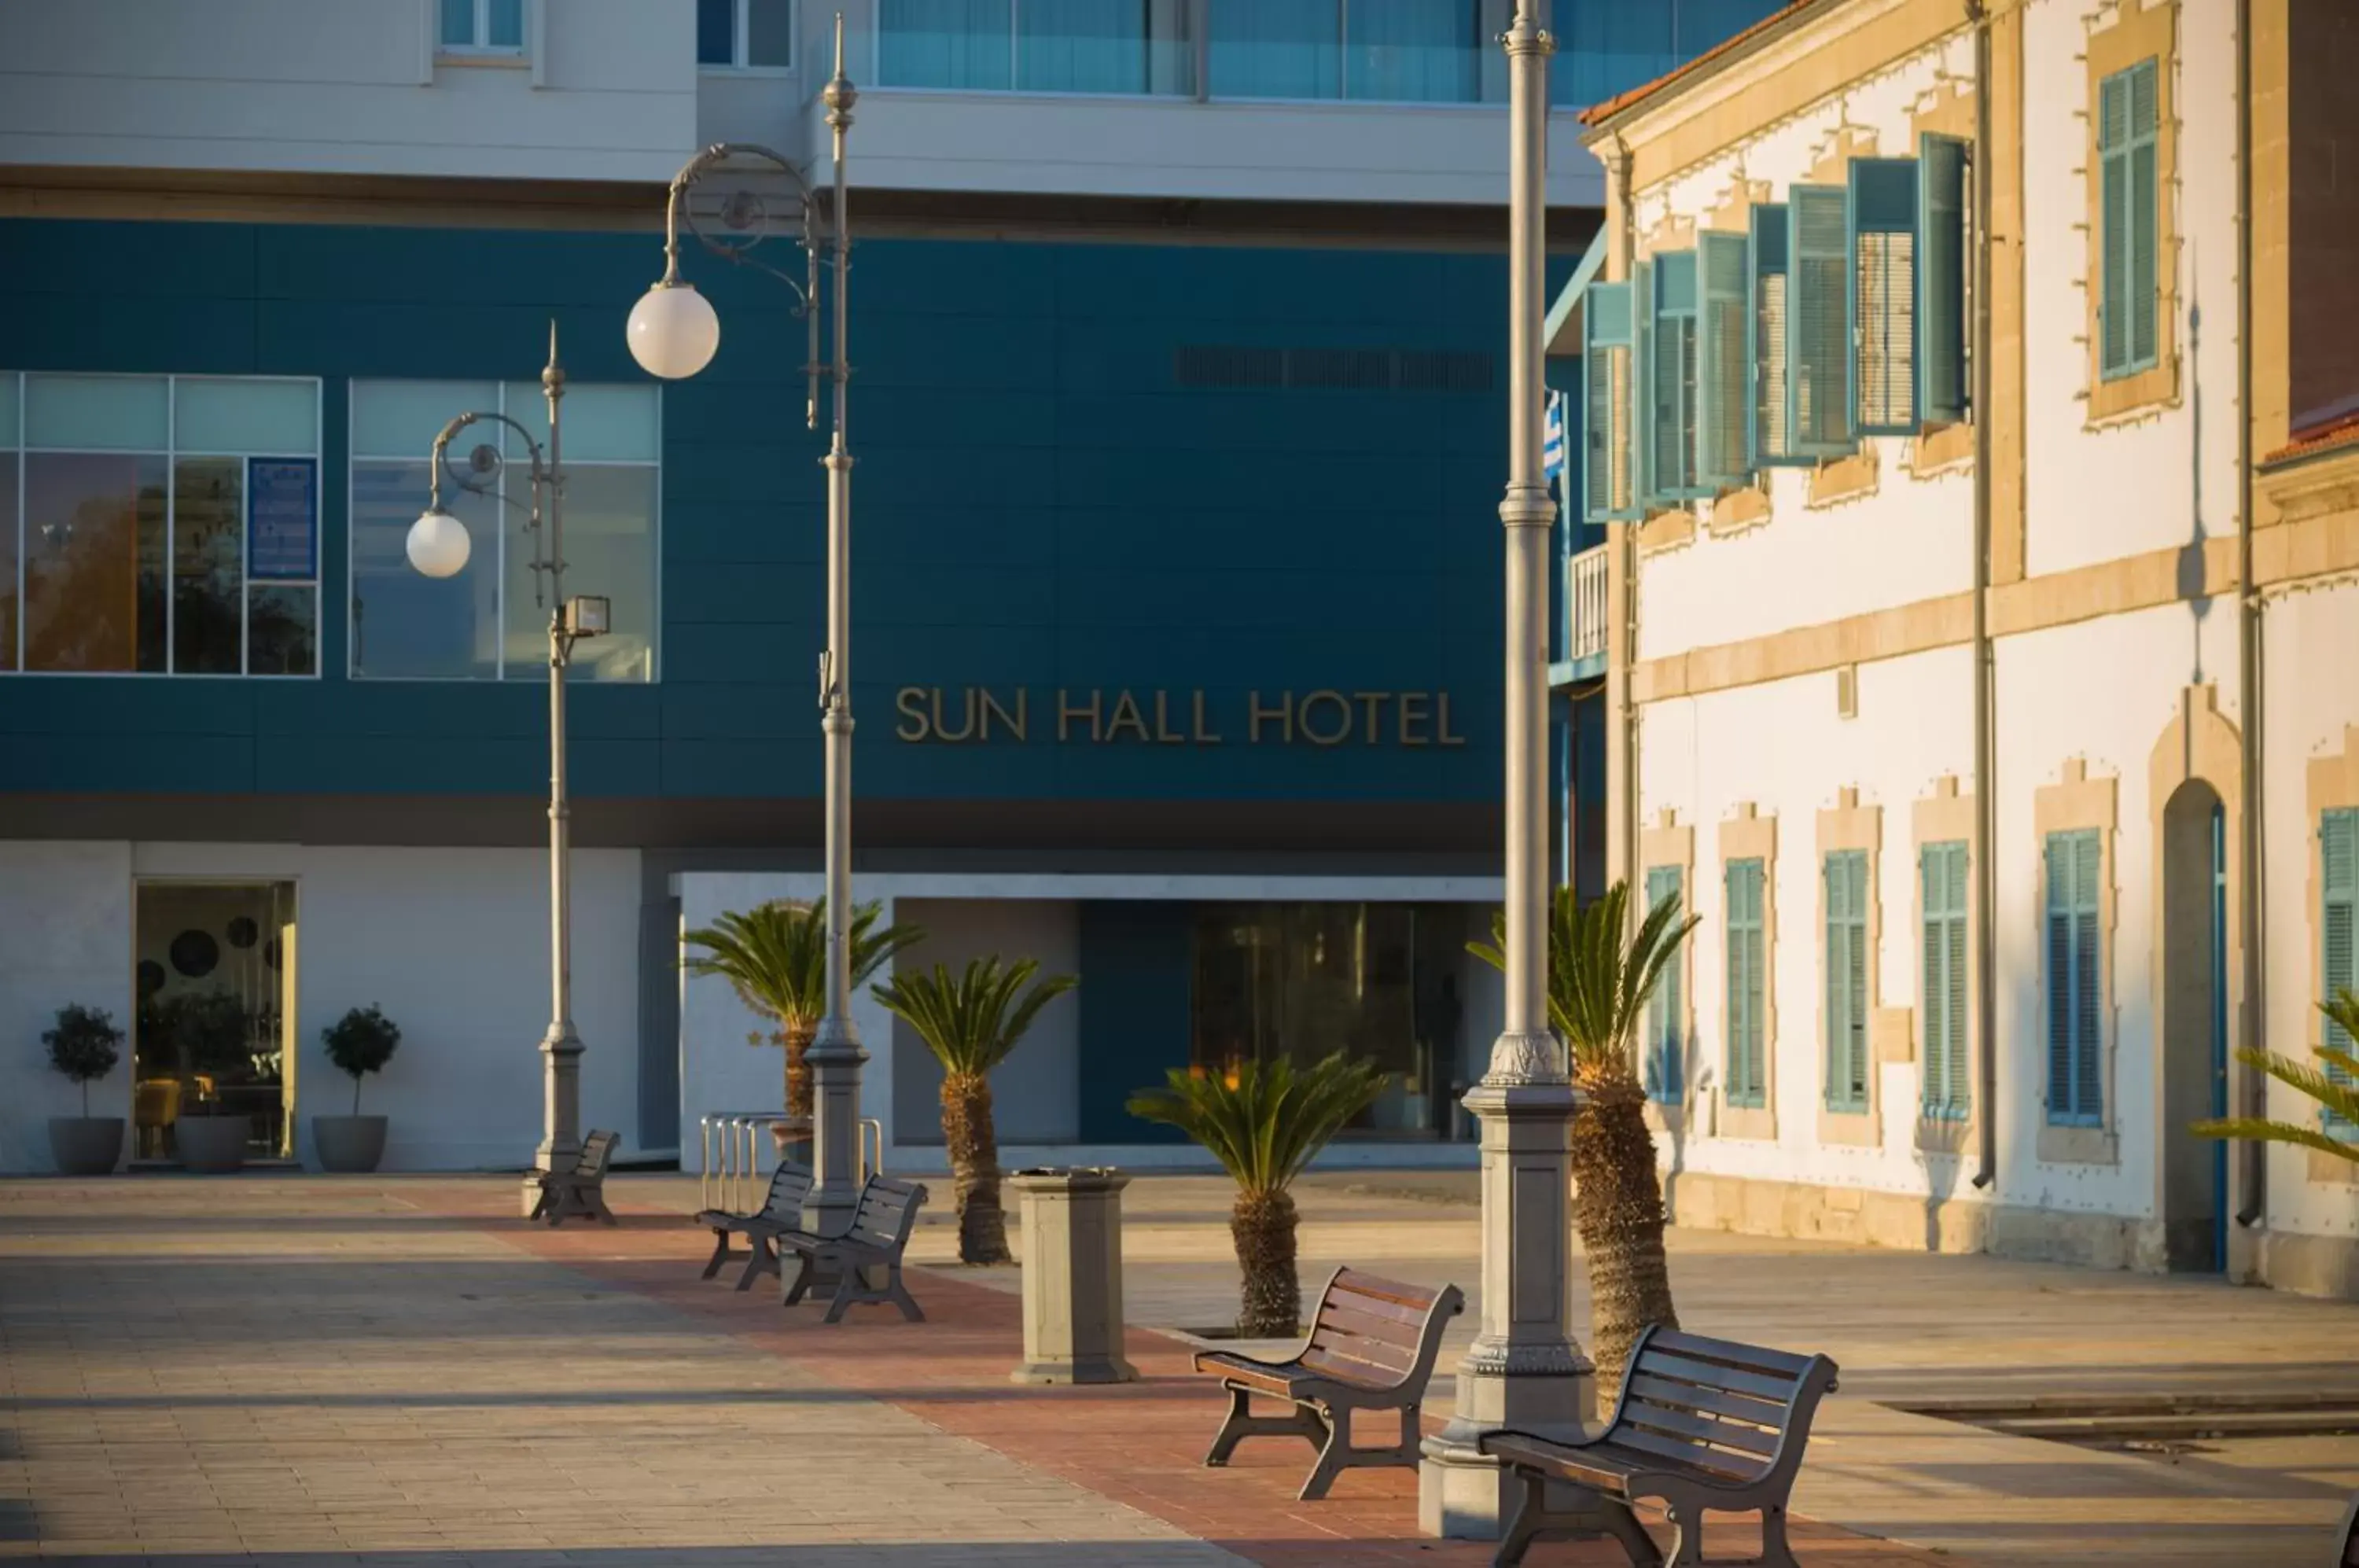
(395, 1373)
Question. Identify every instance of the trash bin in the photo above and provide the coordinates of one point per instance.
(1073, 1276)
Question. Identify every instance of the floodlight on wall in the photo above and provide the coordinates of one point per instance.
(588, 616)
(437, 544)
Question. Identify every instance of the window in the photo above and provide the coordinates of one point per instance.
(1845, 873)
(1946, 1093)
(1748, 1076)
(1723, 363)
(1037, 45)
(1769, 442)
(2075, 982)
(1402, 51)
(1880, 213)
(2129, 222)
(1608, 46)
(490, 620)
(1944, 278)
(1606, 350)
(1668, 351)
(481, 26)
(2338, 925)
(160, 525)
(1665, 1068)
(745, 33)
(1818, 306)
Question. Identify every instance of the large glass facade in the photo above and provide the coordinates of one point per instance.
(1037, 45)
(490, 620)
(160, 525)
(1379, 982)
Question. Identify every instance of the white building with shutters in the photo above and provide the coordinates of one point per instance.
(1981, 612)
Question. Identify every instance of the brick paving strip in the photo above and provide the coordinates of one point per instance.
(1139, 1444)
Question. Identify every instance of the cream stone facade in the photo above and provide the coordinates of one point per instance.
(2131, 556)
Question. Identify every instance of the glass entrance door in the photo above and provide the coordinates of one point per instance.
(215, 1019)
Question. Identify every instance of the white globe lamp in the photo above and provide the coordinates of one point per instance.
(437, 545)
(673, 330)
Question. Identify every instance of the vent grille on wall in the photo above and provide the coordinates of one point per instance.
(1334, 369)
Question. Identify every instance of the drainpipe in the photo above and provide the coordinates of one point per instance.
(1623, 537)
(1985, 672)
(2254, 1085)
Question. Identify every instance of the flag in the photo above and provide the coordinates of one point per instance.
(1552, 440)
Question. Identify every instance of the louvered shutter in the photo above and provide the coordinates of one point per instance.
(2075, 988)
(2129, 220)
(1666, 1066)
(1954, 981)
(1757, 982)
(1766, 403)
(1818, 337)
(2145, 204)
(1943, 992)
(1845, 875)
(2339, 923)
(1722, 361)
(1606, 348)
(1748, 1076)
(1944, 300)
(1675, 368)
(1880, 214)
(2059, 978)
(1642, 386)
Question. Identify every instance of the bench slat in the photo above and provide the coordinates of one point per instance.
(1342, 1327)
(1750, 1357)
(1719, 1401)
(1344, 1370)
(1602, 1465)
(1377, 1361)
(1352, 1318)
(1734, 1467)
(1382, 1308)
(1704, 1429)
(1376, 1286)
(1781, 1389)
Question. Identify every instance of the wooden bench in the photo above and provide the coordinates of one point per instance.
(879, 1233)
(1372, 1346)
(781, 1210)
(1702, 1423)
(582, 1190)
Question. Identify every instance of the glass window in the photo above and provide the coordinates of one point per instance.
(1302, 981)
(745, 33)
(490, 620)
(2075, 980)
(483, 26)
(1037, 45)
(1413, 51)
(144, 516)
(1608, 46)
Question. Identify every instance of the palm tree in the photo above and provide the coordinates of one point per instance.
(1263, 1121)
(971, 1022)
(775, 957)
(1599, 983)
(2336, 1089)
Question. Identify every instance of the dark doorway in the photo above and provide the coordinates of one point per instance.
(2193, 1036)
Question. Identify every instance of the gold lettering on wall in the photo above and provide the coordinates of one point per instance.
(966, 718)
(1066, 713)
(1447, 739)
(1325, 718)
(1413, 716)
(911, 703)
(1283, 713)
(1125, 711)
(1163, 730)
(1335, 736)
(1203, 735)
(1017, 724)
(1372, 704)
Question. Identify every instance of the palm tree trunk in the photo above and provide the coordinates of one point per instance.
(1261, 1226)
(796, 1038)
(973, 1148)
(1618, 1208)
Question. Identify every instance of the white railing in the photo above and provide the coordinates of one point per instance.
(1585, 605)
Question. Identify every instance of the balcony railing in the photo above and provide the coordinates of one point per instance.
(1585, 605)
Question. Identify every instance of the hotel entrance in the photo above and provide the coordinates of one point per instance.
(214, 1026)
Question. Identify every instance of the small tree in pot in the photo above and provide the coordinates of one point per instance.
(84, 1046)
(212, 1035)
(1264, 1122)
(359, 1043)
(970, 1022)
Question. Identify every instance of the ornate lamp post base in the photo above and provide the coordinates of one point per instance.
(561, 1060)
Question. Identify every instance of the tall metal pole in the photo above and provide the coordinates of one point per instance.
(560, 1049)
(1522, 1372)
(835, 1054)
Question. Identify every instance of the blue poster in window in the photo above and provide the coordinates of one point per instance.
(282, 519)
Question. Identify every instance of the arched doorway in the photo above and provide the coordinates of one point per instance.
(2193, 1065)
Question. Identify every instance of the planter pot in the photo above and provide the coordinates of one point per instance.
(212, 1145)
(85, 1146)
(793, 1141)
(348, 1144)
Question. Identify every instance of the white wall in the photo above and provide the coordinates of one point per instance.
(65, 938)
(1035, 1092)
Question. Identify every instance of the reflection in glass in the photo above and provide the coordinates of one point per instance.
(282, 630)
(94, 528)
(406, 624)
(8, 559)
(610, 549)
(1037, 45)
(1277, 49)
(208, 564)
(1300, 981)
(1414, 51)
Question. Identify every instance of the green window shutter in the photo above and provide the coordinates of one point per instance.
(1818, 338)
(1880, 214)
(1747, 1082)
(1767, 440)
(1642, 386)
(1607, 345)
(1676, 297)
(2338, 924)
(2129, 220)
(1944, 229)
(1845, 873)
(1666, 1064)
(2075, 981)
(1945, 1090)
(1722, 361)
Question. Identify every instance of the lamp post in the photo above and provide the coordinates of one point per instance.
(673, 333)
(438, 547)
(1523, 1372)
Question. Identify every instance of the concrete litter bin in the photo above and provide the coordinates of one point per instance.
(1073, 1276)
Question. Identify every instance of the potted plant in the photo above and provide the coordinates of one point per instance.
(970, 1022)
(359, 1043)
(84, 1046)
(1264, 1122)
(775, 957)
(208, 1030)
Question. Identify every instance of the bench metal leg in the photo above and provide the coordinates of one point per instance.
(760, 1258)
(1636, 1544)
(1687, 1536)
(1242, 1424)
(850, 1287)
(1334, 1456)
(1524, 1526)
(1774, 1552)
(720, 1254)
(801, 1283)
